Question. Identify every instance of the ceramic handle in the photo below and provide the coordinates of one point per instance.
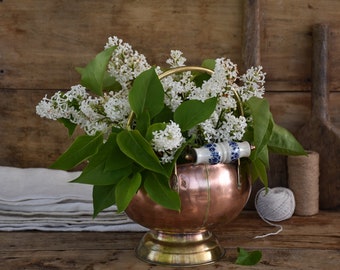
(226, 152)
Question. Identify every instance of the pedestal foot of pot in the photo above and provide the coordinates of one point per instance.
(179, 249)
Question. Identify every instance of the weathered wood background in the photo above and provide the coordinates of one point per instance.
(42, 41)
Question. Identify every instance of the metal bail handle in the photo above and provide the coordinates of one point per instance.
(184, 69)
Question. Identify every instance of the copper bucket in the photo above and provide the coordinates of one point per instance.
(211, 195)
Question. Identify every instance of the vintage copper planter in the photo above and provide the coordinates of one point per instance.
(211, 195)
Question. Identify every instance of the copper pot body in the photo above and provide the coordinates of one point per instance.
(210, 195)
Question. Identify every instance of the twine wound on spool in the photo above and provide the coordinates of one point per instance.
(303, 180)
(277, 204)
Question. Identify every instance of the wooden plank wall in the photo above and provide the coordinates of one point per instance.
(42, 41)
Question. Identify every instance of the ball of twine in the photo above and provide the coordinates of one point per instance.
(275, 204)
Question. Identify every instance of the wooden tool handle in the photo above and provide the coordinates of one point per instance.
(320, 95)
(251, 34)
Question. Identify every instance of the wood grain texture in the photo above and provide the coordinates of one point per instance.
(286, 42)
(305, 243)
(26, 139)
(45, 40)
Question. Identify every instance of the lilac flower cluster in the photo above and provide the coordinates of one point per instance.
(101, 113)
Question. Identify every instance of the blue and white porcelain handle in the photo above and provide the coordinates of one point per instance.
(226, 152)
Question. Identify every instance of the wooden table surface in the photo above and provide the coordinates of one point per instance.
(305, 243)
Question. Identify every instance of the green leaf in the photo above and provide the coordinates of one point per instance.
(284, 143)
(95, 174)
(110, 83)
(68, 124)
(209, 63)
(143, 122)
(126, 189)
(164, 116)
(103, 197)
(200, 78)
(264, 156)
(108, 166)
(248, 258)
(147, 94)
(192, 112)
(157, 186)
(111, 155)
(81, 149)
(94, 74)
(262, 122)
(134, 145)
(258, 170)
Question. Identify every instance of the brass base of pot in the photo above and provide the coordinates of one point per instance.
(179, 249)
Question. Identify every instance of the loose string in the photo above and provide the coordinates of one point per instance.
(276, 204)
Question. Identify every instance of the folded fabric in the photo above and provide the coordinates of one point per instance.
(44, 199)
(38, 183)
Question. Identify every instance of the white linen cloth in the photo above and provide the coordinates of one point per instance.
(44, 199)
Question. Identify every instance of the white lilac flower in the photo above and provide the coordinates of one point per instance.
(91, 128)
(126, 64)
(77, 92)
(208, 129)
(177, 89)
(225, 103)
(226, 129)
(232, 129)
(253, 83)
(167, 141)
(62, 105)
(46, 109)
(91, 108)
(219, 85)
(117, 108)
(230, 69)
(176, 59)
